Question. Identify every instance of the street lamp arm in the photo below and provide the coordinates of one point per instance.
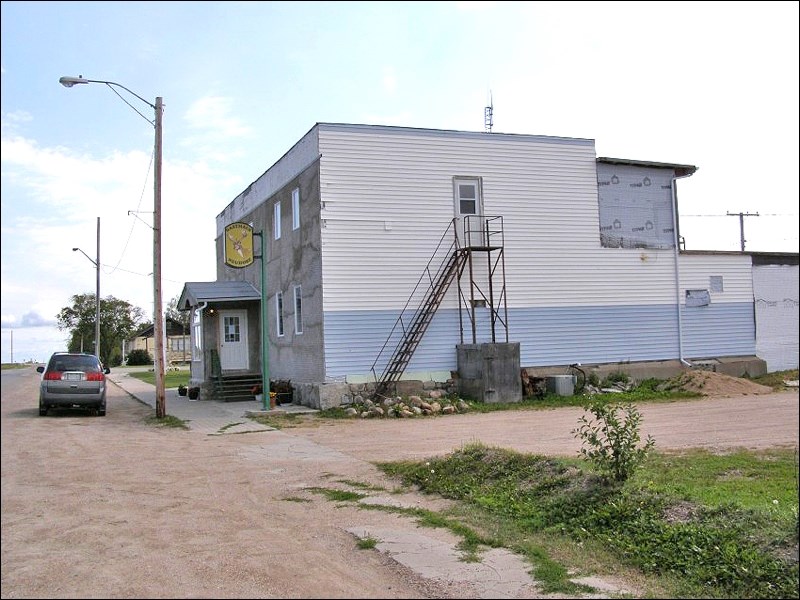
(158, 313)
(68, 82)
(86, 255)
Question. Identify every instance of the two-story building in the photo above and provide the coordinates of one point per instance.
(389, 248)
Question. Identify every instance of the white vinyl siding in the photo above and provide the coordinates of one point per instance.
(276, 221)
(295, 209)
(734, 269)
(388, 198)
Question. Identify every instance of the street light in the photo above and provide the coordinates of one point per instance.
(158, 323)
(96, 263)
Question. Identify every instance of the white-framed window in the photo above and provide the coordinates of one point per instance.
(177, 344)
(295, 208)
(279, 313)
(276, 221)
(197, 331)
(468, 210)
(298, 309)
(467, 196)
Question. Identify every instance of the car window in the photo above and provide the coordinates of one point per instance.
(87, 364)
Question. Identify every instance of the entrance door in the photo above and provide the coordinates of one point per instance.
(233, 348)
(469, 211)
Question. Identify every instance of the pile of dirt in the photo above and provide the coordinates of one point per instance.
(710, 383)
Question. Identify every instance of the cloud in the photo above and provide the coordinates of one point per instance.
(12, 119)
(212, 114)
(30, 319)
(33, 319)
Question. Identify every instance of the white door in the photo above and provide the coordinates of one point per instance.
(233, 351)
(469, 209)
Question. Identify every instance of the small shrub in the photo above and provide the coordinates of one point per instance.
(367, 543)
(616, 377)
(610, 440)
(139, 357)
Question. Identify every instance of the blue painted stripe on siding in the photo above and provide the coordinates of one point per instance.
(547, 336)
(719, 330)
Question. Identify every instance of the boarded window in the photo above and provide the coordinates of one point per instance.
(697, 298)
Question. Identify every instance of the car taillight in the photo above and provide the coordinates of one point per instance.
(95, 377)
(52, 376)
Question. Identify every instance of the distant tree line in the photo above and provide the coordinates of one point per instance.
(119, 321)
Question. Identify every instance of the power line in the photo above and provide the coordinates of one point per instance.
(760, 214)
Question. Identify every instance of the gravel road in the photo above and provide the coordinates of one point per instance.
(111, 507)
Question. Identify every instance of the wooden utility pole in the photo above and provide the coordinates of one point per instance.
(741, 224)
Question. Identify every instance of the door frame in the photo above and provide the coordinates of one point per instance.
(242, 363)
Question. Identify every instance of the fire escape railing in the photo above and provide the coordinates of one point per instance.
(446, 263)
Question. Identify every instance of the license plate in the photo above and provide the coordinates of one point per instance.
(73, 376)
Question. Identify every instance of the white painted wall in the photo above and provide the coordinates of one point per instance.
(776, 306)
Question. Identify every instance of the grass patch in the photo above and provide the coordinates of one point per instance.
(367, 543)
(225, 428)
(361, 485)
(167, 421)
(8, 366)
(664, 526)
(172, 379)
(775, 380)
(284, 420)
(337, 495)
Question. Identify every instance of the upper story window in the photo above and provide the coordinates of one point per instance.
(298, 309)
(279, 313)
(467, 192)
(468, 210)
(276, 221)
(295, 208)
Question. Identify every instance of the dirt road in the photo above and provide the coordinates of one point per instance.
(114, 508)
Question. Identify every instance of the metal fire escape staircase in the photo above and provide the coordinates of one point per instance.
(430, 290)
(411, 325)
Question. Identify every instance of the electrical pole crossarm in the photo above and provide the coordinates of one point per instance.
(741, 216)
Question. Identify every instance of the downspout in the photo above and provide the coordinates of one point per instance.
(677, 268)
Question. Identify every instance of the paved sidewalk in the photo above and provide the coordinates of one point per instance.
(204, 416)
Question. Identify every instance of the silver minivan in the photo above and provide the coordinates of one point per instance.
(73, 380)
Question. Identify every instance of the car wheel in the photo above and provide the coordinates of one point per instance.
(42, 411)
(101, 412)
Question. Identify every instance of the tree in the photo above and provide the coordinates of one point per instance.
(180, 316)
(118, 320)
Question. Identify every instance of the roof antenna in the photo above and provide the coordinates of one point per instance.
(487, 114)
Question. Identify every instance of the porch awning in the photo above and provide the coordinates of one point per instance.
(197, 292)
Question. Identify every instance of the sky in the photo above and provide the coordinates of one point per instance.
(709, 84)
